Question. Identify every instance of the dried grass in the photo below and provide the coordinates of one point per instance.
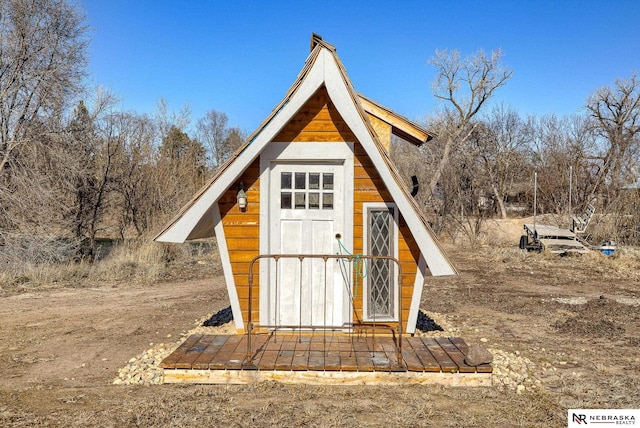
(624, 263)
(138, 260)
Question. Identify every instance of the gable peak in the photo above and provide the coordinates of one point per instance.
(316, 39)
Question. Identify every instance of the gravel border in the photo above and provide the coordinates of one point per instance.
(510, 369)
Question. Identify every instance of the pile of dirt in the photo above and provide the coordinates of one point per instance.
(602, 318)
(590, 328)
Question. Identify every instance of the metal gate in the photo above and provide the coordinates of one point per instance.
(352, 268)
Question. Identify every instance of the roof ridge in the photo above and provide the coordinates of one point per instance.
(316, 39)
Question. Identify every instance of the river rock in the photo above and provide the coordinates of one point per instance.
(476, 355)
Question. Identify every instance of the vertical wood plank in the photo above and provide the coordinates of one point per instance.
(316, 360)
(271, 350)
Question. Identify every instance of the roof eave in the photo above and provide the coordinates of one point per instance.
(400, 125)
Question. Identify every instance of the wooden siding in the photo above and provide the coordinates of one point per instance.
(383, 130)
(317, 121)
(242, 233)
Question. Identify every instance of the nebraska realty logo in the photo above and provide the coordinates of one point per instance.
(600, 417)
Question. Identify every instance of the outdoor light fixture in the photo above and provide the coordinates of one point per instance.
(242, 198)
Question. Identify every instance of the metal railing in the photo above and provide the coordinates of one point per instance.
(352, 261)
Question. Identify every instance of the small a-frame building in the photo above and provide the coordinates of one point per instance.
(318, 180)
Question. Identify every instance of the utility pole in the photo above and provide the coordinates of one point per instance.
(535, 201)
(570, 187)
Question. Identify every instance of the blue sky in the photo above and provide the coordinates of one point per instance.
(240, 57)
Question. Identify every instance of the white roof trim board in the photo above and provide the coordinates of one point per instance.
(322, 68)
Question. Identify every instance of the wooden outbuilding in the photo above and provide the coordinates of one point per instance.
(311, 215)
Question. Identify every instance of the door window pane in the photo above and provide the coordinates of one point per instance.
(327, 201)
(314, 201)
(300, 200)
(285, 180)
(314, 180)
(327, 181)
(285, 200)
(301, 178)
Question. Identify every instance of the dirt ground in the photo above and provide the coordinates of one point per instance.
(61, 348)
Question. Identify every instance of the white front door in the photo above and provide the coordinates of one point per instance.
(306, 212)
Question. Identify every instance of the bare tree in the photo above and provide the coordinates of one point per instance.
(179, 165)
(180, 170)
(468, 202)
(501, 152)
(64, 176)
(43, 47)
(616, 114)
(235, 138)
(212, 132)
(92, 148)
(166, 120)
(465, 84)
(558, 146)
(135, 175)
(219, 140)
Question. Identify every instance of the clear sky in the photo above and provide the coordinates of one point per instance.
(240, 57)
